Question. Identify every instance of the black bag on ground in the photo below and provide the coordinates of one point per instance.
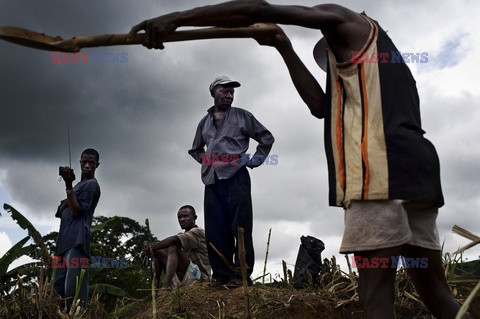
(309, 262)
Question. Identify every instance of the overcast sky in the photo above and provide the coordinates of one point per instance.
(141, 115)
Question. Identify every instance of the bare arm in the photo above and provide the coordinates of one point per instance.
(63, 205)
(165, 243)
(73, 204)
(68, 176)
(243, 13)
(198, 146)
(307, 86)
(344, 30)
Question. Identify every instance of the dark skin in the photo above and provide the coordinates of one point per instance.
(223, 99)
(345, 31)
(169, 256)
(88, 165)
(375, 285)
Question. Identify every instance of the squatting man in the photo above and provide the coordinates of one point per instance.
(183, 257)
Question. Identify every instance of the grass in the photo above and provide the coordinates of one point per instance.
(332, 295)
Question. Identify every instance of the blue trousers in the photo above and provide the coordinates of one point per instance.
(228, 205)
(65, 279)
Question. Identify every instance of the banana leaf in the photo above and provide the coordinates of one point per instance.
(12, 254)
(25, 269)
(112, 222)
(9, 280)
(23, 222)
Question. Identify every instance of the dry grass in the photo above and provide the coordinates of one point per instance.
(332, 295)
(39, 300)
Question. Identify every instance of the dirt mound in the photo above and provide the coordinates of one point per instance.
(260, 302)
(333, 296)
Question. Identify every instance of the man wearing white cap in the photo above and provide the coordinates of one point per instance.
(226, 131)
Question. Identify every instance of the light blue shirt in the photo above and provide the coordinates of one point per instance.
(228, 143)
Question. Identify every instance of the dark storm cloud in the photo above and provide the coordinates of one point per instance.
(141, 115)
(121, 109)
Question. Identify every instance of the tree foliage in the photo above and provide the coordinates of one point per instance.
(24, 223)
(112, 237)
(122, 238)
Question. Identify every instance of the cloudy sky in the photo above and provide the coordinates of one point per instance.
(141, 115)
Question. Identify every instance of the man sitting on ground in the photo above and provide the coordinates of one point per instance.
(183, 257)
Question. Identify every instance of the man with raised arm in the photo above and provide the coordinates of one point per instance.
(382, 171)
(76, 214)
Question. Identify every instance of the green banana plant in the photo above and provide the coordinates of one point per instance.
(24, 223)
(12, 254)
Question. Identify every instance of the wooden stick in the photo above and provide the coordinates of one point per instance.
(463, 310)
(154, 279)
(284, 266)
(243, 266)
(42, 41)
(222, 257)
(241, 258)
(473, 243)
(266, 256)
(465, 233)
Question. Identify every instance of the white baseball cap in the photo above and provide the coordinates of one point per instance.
(223, 80)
